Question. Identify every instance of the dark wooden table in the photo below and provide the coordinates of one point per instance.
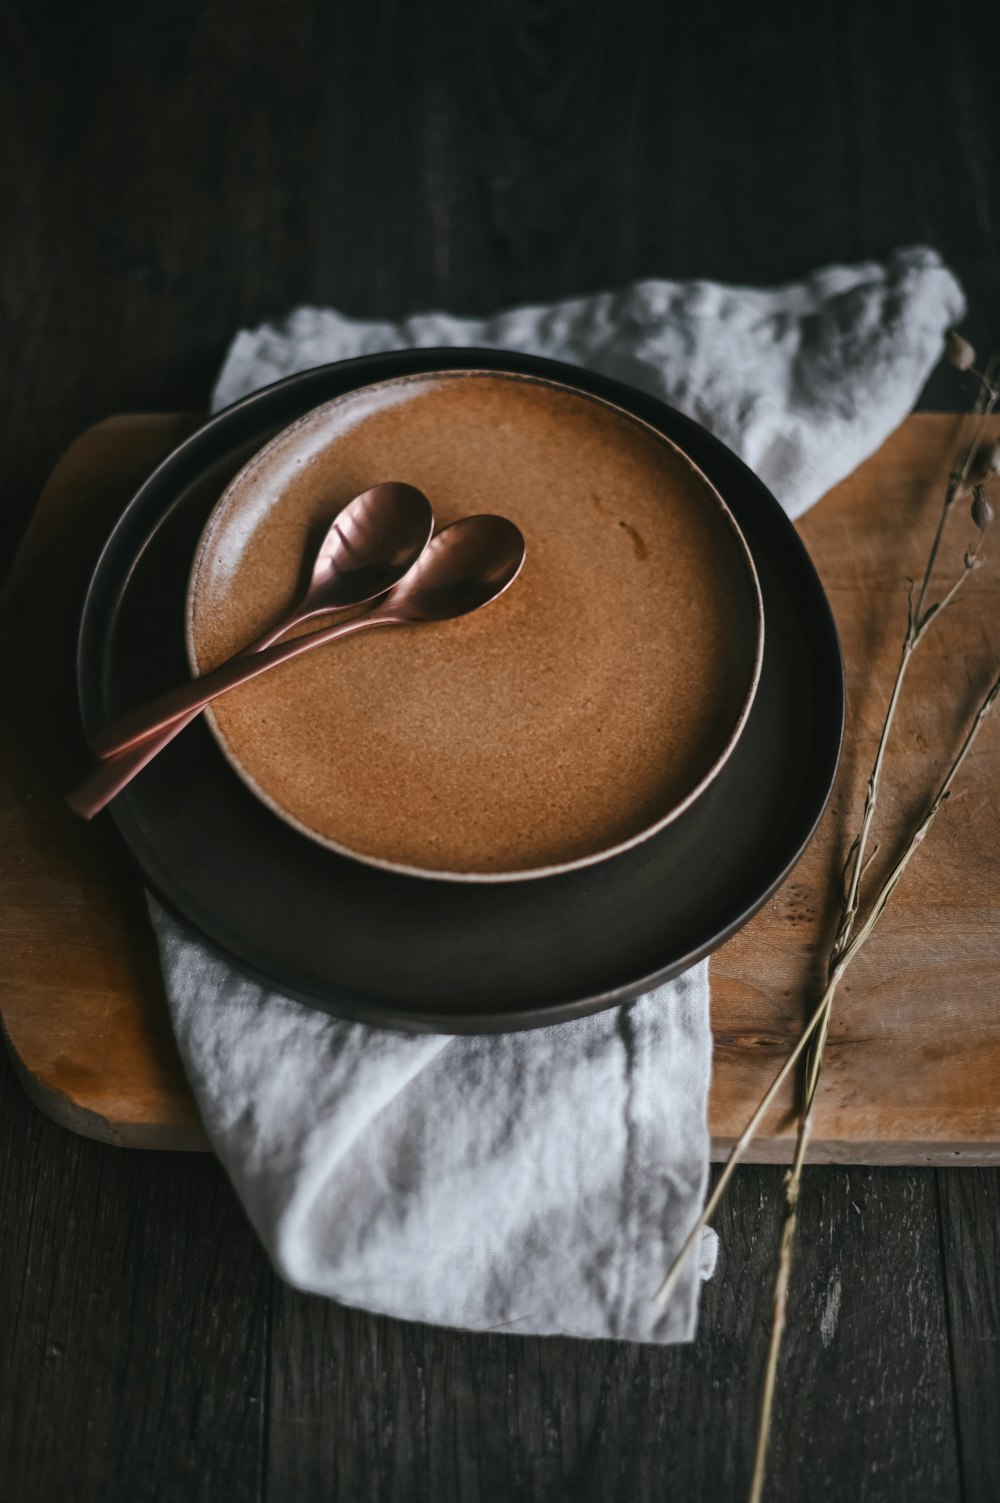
(171, 171)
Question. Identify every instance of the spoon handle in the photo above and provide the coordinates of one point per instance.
(132, 742)
(198, 692)
(121, 767)
(112, 774)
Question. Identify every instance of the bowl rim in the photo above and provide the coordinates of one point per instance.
(551, 869)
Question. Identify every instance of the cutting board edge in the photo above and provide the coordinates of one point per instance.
(178, 1137)
(883, 1153)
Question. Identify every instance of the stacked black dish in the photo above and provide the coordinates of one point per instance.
(390, 948)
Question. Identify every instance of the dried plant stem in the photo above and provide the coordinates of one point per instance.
(794, 1178)
(779, 1307)
(741, 1145)
(919, 620)
(974, 466)
(958, 484)
(820, 1016)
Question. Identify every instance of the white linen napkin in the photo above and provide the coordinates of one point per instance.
(538, 1182)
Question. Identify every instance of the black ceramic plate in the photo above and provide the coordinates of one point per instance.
(447, 956)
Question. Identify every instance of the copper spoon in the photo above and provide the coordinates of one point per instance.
(368, 548)
(463, 568)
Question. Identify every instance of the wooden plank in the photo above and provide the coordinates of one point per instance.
(914, 1049)
(370, 1408)
(970, 1237)
(133, 1322)
(915, 1044)
(81, 1000)
(865, 1360)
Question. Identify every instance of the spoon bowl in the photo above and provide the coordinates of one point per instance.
(462, 569)
(369, 547)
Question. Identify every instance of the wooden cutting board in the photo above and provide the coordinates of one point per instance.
(913, 1064)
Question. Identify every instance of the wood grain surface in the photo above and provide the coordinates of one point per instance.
(78, 955)
(175, 171)
(914, 1048)
(913, 1056)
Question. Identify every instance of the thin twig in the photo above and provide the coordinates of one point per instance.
(846, 943)
(856, 865)
(779, 1304)
(974, 466)
(986, 401)
(820, 1017)
(741, 1145)
(919, 618)
(794, 1178)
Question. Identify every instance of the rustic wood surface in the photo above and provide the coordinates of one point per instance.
(913, 1057)
(172, 171)
(81, 1001)
(77, 956)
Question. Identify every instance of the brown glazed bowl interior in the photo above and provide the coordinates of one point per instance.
(567, 721)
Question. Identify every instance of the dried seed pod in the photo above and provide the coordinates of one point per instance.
(982, 511)
(958, 351)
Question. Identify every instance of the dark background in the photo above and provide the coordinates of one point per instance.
(170, 171)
